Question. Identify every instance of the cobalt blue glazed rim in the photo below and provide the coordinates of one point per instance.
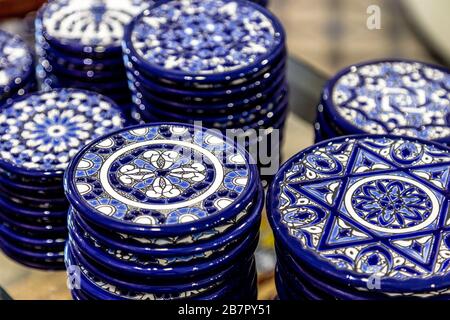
(25, 71)
(344, 124)
(77, 62)
(176, 287)
(26, 227)
(205, 223)
(92, 75)
(297, 288)
(251, 221)
(276, 116)
(8, 233)
(32, 263)
(233, 105)
(196, 268)
(236, 115)
(34, 199)
(28, 187)
(346, 277)
(26, 212)
(51, 173)
(183, 77)
(238, 87)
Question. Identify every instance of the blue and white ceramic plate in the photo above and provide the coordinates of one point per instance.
(404, 98)
(161, 180)
(16, 64)
(227, 92)
(181, 245)
(204, 40)
(89, 26)
(361, 207)
(41, 132)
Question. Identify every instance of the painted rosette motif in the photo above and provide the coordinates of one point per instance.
(16, 67)
(160, 175)
(163, 203)
(79, 45)
(221, 62)
(403, 98)
(39, 134)
(366, 215)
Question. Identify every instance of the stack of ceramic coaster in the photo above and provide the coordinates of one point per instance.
(363, 217)
(16, 68)
(78, 44)
(163, 211)
(215, 61)
(403, 98)
(39, 134)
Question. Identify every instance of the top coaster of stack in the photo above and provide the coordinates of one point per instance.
(395, 97)
(88, 25)
(204, 40)
(362, 207)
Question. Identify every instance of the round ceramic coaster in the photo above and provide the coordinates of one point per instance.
(161, 179)
(368, 207)
(16, 64)
(41, 132)
(204, 40)
(395, 97)
(89, 26)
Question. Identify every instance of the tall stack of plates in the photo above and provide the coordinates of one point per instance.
(16, 68)
(163, 211)
(78, 44)
(39, 134)
(363, 217)
(215, 61)
(404, 98)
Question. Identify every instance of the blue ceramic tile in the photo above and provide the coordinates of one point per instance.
(41, 132)
(204, 40)
(367, 206)
(161, 178)
(404, 98)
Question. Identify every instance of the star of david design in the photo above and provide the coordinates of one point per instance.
(377, 201)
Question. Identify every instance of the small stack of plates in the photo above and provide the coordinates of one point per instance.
(215, 61)
(39, 134)
(163, 211)
(16, 68)
(78, 44)
(403, 98)
(362, 218)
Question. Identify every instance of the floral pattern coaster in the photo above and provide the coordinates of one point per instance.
(160, 175)
(42, 132)
(397, 97)
(90, 22)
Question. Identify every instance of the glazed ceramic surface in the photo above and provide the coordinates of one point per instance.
(16, 63)
(160, 176)
(43, 131)
(361, 206)
(397, 97)
(89, 23)
(166, 36)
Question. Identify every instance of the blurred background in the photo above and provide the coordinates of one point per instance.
(323, 37)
